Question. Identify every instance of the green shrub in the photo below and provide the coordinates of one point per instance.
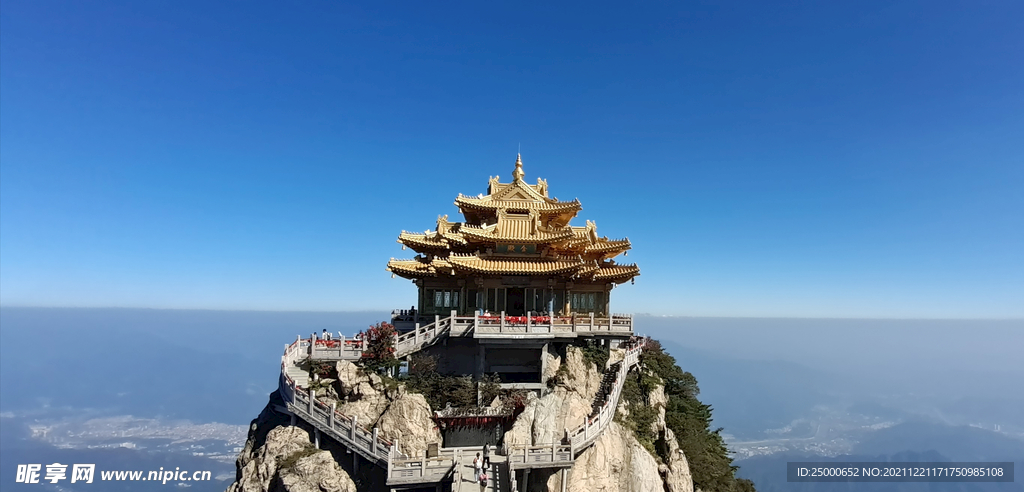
(595, 354)
(289, 461)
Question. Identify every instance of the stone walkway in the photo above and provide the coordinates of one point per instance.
(497, 474)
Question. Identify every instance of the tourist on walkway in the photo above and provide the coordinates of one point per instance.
(487, 455)
(477, 465)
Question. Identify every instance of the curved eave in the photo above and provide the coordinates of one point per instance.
(421, 242)
(455, 237)
(616, 246)
(411, 269)
(617, 273)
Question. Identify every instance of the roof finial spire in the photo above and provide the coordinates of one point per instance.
(518, 173)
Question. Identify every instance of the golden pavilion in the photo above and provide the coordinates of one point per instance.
(516, 254)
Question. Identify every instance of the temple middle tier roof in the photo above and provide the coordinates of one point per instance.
(515, 266)
(516, 230)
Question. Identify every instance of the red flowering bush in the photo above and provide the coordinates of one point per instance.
(380, 347)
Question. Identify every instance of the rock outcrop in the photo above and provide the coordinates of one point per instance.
(401, 416)
(281, 458)
(318, 472)
(546, 420)
(617, 461)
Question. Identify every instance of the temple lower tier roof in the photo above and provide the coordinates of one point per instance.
(466, 265)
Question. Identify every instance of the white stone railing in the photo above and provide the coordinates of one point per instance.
(337, 348)
(425, 470)
(405, 344)
(579, 439)
(539, 456)
(304, 404)
(423, 336)
(513, 484)
(617, 324)
(592, 427)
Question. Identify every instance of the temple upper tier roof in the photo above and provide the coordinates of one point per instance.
(490, 204)
(515, 229)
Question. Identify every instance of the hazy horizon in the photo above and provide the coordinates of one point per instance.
(388, 313)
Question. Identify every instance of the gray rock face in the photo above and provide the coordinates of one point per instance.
(675, 473)
(616, 462)
(401, 416)
(316, 473)
(288, 462)
(546, 420)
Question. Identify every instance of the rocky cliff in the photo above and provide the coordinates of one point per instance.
(280, 458)
(617, 462)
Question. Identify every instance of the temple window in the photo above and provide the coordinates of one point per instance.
(586, 302)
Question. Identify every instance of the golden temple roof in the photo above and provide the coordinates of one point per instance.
(518, 196)
(423, 241)
(489, 203)
(617, 273)
(605, 245)
(411, 268)
(521, 214)
(515, 230)
(508, 266)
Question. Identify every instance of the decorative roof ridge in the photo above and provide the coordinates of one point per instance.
(461, 256)
(416, 258)
(614, 265)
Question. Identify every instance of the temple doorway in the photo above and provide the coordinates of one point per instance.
(516, 301)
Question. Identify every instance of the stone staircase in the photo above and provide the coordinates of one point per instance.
(607, 387)
(297, 373)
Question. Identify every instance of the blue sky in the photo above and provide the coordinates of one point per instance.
(766, 159)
